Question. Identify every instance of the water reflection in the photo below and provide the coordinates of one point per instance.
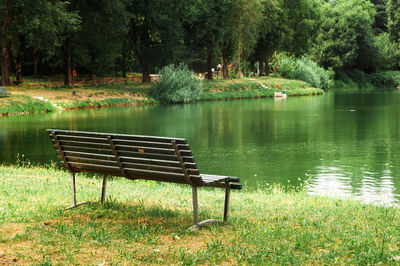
(337, 182)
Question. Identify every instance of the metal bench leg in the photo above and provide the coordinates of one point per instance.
(74, 204)
(73, 189)
(198, 224)
(226, 207)
(103, 189)
(195, 206)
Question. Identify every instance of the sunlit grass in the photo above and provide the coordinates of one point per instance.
(146, 222)
(254, 88)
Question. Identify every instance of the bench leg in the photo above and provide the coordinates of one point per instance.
(74, 204)
(103, 189)
(226, 207)
(73, 189)
(198, 224)
(195, 206)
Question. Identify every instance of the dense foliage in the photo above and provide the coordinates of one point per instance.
(177, 85)
(105, 37)
(305, 69)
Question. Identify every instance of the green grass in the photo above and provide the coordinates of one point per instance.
(109, 102)
(254, 88)
(146, 222)
(21, 104)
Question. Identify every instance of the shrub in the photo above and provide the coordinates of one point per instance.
(385, 79)
(306, 70)
(387, 52)
(177, 85)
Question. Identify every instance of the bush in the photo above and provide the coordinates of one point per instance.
(385, 79)
(177, 85)
(306, 70)
(387, 52)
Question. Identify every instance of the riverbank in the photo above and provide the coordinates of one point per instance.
(145, 222)
(46, 96)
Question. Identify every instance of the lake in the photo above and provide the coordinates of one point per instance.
(343, 145)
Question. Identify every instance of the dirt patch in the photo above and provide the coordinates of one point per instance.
(11, 230)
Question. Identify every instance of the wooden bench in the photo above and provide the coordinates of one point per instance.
(3, 92)
(136, 157)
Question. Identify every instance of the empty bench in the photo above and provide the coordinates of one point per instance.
(3, 92)
(136, 157)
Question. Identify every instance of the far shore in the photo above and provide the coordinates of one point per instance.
(43, 96)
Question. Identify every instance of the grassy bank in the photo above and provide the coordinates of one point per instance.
(145, 222)
(48, 96)
(255, 88)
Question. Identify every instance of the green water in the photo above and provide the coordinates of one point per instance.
(347, 145)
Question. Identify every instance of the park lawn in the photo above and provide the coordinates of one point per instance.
(146, 222)
(40, 96)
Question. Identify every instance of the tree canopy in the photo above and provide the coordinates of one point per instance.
(104, 37)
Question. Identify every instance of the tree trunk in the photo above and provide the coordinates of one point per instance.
(124, 55)
(5, 57)
(68, 63)
(18, 61)
(36, 58)
(5, 52)
(209, 63)
(18, 69)
(261, 66)
(225, 67)
(252, 68)
(266, 68)
(146, 76)
(239, 74)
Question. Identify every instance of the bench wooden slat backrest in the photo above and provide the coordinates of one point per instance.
(130, 156)
(3, 90)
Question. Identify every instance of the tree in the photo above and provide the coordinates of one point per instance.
(101, 35)
(207, 30)
(393, 24)
(31, 24)
(301, 18)
(248, 14)
(380, 16)
(345, 37)
(156, 32)
(271, 33)
(5, 41)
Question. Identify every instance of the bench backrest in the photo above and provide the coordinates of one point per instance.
(3, 90)
(130, 156)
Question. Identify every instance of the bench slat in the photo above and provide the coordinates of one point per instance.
(153, 156)
(213, 178)
(189, 165)
(111, 170)
(91, 161)
(88, 155)
(62, 133)
(67, 148)
(158, 168)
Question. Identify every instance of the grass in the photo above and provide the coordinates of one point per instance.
(146, 222)
(39, 96)
(254, 88)
(24, 104)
